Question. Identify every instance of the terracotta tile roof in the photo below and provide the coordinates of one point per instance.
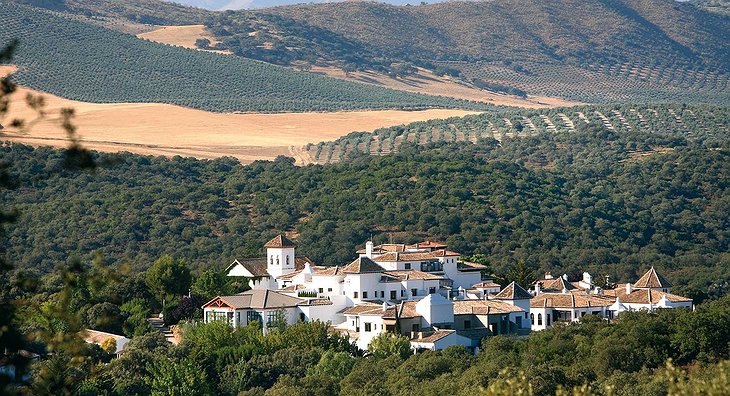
(486, 285)
(556, 284)
(316, 301)
(385, 248)
(412, 274)
(256, 266)
(361, 266)
(433, 337)
(483, 307)
(444, 253)
(513, 291)
(570, 300)
(404, 256)
(467, 266)
(404, 310)
(256, 299)
(408, 310)
(430, 245)
(364, 309)
(652, 279)
(389, 278)
(293, 288)
(280, 241)
(317, 270)
(642, 296)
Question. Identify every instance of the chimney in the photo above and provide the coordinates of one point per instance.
(629, 288)
(537, 288)
(385, 306)
(548, 275)
(369, 249)
(565, 277)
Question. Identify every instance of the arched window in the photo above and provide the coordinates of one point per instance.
(532, 319)
(539, 319)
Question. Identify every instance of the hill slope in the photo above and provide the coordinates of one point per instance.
(655, 49)
(708, 124)
(92, 64)
(610, 203)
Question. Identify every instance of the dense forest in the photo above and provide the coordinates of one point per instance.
(598, 200)
(89, 63)
(595, 51)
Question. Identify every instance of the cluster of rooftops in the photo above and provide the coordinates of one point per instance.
(423, 291)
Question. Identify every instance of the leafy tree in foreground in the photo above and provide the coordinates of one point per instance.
(389, 344)
(168, 277)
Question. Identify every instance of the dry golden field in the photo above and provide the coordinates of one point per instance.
(161, 129)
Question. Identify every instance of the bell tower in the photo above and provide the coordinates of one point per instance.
(280, 256)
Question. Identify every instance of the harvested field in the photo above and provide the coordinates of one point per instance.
(160, 129)
(181, 36)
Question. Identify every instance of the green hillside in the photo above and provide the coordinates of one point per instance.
(607, 201)
(141, 11)
(89, 63)
(708, 124)
(594, 50)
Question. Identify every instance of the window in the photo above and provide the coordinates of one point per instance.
(532, 319)
(321, 290)
(271, 318)
(354, 294)
(547, 319)
(467, 324)
(287, 260)
(271, 260)
(367, 327)
(415, 327)
(329, 289)
(414, 292)
(382, 294)
(302, 317)
(364, 294)
(408, 265)
(402, 293)
(277, 260)
(539, 319)
(431, 290)
(525, 315)
(253, 316)
(392, 294)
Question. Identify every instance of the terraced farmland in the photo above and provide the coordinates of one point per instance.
(88, 63)
(709, 124)
(602, 83)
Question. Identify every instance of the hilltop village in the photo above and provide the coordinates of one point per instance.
(423, 291)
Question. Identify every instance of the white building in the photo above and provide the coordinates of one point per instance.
(557, 300)
(393, 287)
